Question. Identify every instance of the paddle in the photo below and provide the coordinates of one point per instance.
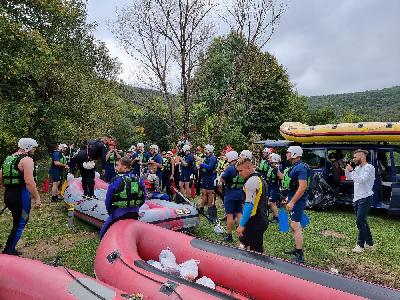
(283, 220)
(217, 228)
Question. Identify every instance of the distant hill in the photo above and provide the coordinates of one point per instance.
(378, 105)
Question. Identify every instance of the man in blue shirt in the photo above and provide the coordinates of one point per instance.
(125, 194)
(58, 165)
(297, 197)
(233, 193)
(157, 159)
(208, 170)
(187, 166)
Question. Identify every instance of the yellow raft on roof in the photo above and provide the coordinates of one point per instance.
(342, 132)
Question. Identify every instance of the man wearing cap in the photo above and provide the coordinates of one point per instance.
(208, 170)
(187, 163)
(156, 158)
(363, 176)
(233, 193)
(297, 197)
(18, 176)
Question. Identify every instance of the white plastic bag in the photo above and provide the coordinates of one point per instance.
(206, 282)
(189, 269)
(155, 264)
(168, 262)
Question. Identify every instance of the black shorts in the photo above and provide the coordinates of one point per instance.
(253, 235)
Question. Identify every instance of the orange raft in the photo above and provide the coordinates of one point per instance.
(122, 254)
(24, 278)
(342, 132)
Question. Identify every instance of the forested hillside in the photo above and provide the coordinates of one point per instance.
(374, 105)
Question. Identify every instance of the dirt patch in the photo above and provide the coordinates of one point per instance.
(50, 248)
(333, 233)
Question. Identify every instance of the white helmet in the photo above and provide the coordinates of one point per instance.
(155, 147)
(132, 148)
(275, 158)
(246, 154)
(27, 144)
(295, 151)
(231, 156)
(209, 148)
(62, 147)
(266, 150)
(185, 148)
(140, 145)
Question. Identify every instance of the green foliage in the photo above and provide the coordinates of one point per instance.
(239, 90)
(375, 105)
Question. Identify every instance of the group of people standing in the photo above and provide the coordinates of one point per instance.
(137, 175)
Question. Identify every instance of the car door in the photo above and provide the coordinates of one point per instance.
(394, 207)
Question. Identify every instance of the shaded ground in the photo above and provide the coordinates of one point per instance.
(328, 242)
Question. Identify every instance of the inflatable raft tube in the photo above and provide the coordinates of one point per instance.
(24, 278)
(163, 213)
(343, 132)
(122, 254)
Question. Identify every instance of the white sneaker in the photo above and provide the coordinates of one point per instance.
(369, 247)
(358, 249)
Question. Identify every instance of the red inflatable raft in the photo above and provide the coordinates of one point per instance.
(24, 278)
(121, 262)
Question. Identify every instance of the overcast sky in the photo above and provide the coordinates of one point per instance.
(327, 46)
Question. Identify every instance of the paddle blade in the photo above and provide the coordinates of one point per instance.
(283, 220)
(304, 221)
(45, 185)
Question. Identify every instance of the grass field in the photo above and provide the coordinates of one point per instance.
(328, 241)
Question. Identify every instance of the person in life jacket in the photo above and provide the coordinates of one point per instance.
(125, 194)
(168, 173)
(273, 184)
(233, 193)
(18, 174)
(263, 167)
(199, 157)
(140, 159)
(186, 169)
(88, 153)
(156, 158)
(111, 158)
(299, 174)
(152, 183)
(58, 166)
(209, 174)
(254, 220)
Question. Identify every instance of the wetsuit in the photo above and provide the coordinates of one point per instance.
(158, 159)
(255, 213)
(125, 194)
(273, 184)
(18, 200)
(298, 171)
(187, 170)
(56, 172)
(209, 174)
(144, 158)
(233, 195)
(166, 176)
(110, 168)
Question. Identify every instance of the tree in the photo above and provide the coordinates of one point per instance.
(242, 88)
(255, 20)
(167, 29)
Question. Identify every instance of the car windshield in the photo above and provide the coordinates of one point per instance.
(315, 158)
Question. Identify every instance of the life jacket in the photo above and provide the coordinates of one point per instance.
(204, 170)
(294, 184)
(286, 179)
(260, 203)
(166, 165)
(222, 164)
(63, 159)
(271, 176)
(111, 159)
(237, 183)
(128, 194)
(264, 166)
(11, 174)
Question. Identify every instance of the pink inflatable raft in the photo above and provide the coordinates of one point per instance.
(163, 213)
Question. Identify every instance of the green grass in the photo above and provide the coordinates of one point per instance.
(328, 241)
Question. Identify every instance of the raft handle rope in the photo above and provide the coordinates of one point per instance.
(165, 286)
